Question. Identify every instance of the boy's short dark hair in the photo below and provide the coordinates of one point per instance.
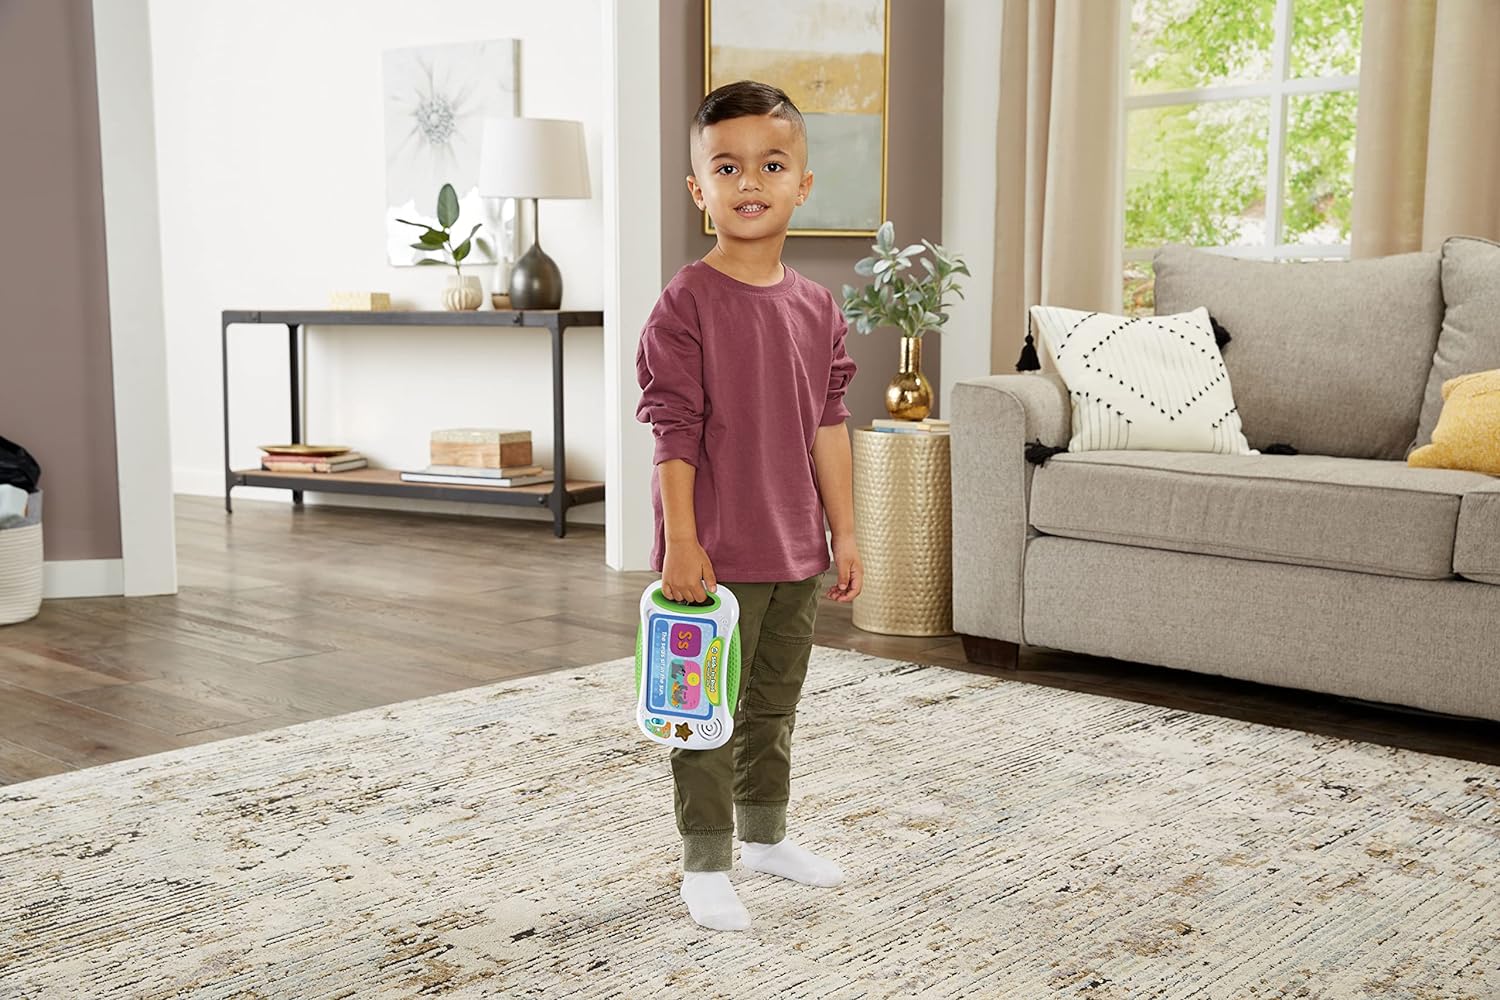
(744, 98)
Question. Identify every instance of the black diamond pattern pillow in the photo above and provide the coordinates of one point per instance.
(1143, 383)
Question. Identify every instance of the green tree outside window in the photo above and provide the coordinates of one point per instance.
(1196, 170)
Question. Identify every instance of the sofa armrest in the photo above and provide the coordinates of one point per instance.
(993, 419)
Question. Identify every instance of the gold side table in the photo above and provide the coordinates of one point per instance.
(903, 524)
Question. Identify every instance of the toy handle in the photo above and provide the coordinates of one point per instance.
(707, 602)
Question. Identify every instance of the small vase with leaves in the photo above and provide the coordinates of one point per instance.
(463, 291)
(914, 305)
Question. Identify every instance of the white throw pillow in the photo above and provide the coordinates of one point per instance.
(1144, 383)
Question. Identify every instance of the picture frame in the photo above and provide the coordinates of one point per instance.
(434, 100)
(834, 74)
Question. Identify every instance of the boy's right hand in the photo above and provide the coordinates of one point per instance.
(686, 573)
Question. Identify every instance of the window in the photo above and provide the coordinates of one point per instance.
(1239, 129)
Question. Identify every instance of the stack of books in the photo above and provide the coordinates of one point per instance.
(481, 456)
(344, 461)
(457, 475)
(928, 425)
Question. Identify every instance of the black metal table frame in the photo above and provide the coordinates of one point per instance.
(558, 500)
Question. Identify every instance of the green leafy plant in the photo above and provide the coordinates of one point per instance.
(1196, 172)
(895, 298)
(440, 240)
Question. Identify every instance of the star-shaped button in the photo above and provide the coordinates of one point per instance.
(683, 731)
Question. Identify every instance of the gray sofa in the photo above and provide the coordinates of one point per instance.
(1337, 569)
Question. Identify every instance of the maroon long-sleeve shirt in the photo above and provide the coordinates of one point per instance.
(736, 379)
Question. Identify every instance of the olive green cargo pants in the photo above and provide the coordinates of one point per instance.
(745, 784)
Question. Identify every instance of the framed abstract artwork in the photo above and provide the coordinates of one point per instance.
(831, 57)
(436, 100)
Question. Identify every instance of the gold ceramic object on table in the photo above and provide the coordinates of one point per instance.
(305, 450)
(909, 396)
(903, 524)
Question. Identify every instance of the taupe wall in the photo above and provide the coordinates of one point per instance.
(914, 175)
(56, 395)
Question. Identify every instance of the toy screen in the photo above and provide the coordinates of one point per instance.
(674, 666)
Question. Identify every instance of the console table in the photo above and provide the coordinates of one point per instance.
(558, 496)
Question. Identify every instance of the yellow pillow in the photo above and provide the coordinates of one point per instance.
(1467, 435)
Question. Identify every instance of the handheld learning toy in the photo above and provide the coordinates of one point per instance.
(687, 669)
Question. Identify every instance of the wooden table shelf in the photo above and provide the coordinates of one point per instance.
(557, 496)
(388, 482)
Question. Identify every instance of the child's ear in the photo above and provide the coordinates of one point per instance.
(805, 188)
(697, 195)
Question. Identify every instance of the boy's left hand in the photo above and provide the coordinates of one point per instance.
(851, 570)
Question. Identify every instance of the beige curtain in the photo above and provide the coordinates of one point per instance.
(1058, 214)
(1427, 146)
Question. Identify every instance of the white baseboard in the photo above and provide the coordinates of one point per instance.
(205, 483)
(83, 578)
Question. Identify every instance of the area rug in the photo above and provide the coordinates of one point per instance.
(1000, 840)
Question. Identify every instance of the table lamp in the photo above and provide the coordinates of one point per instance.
(534, 158)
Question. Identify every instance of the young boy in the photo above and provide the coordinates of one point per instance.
(743, 371)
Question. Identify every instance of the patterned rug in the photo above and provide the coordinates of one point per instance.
(1001, 840)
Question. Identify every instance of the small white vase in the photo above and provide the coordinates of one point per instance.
(467, 296)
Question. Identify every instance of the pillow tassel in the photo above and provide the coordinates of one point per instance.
(1028, 362)
(1221, 335)
(1038, 453)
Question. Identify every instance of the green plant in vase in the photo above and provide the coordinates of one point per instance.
(913, 304)
(462, 292)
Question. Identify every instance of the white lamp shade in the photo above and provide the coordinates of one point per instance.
(533, 158)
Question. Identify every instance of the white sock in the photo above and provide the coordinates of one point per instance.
(786, 859)
(712, 902)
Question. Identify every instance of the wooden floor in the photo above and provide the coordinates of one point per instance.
(286, 615)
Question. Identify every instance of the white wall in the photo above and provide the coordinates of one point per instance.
(127, 148)
(270, 148)
(633, 273)
(971, 104)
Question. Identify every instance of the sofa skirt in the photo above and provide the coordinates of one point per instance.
(1430, 644)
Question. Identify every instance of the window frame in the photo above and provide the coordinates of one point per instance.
(1277, 90)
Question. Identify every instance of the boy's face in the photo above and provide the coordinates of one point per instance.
(750, 173)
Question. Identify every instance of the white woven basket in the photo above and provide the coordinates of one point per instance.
(21, 568)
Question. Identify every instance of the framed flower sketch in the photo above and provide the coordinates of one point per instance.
(436, 100)
(831, 57)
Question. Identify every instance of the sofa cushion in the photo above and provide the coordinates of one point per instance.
(1467, 435)
(1476, 550)
(1338, 513)
(1142, 383)
(1331, 357)
(1470, 338)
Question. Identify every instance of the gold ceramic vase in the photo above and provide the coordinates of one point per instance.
(909, 396)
